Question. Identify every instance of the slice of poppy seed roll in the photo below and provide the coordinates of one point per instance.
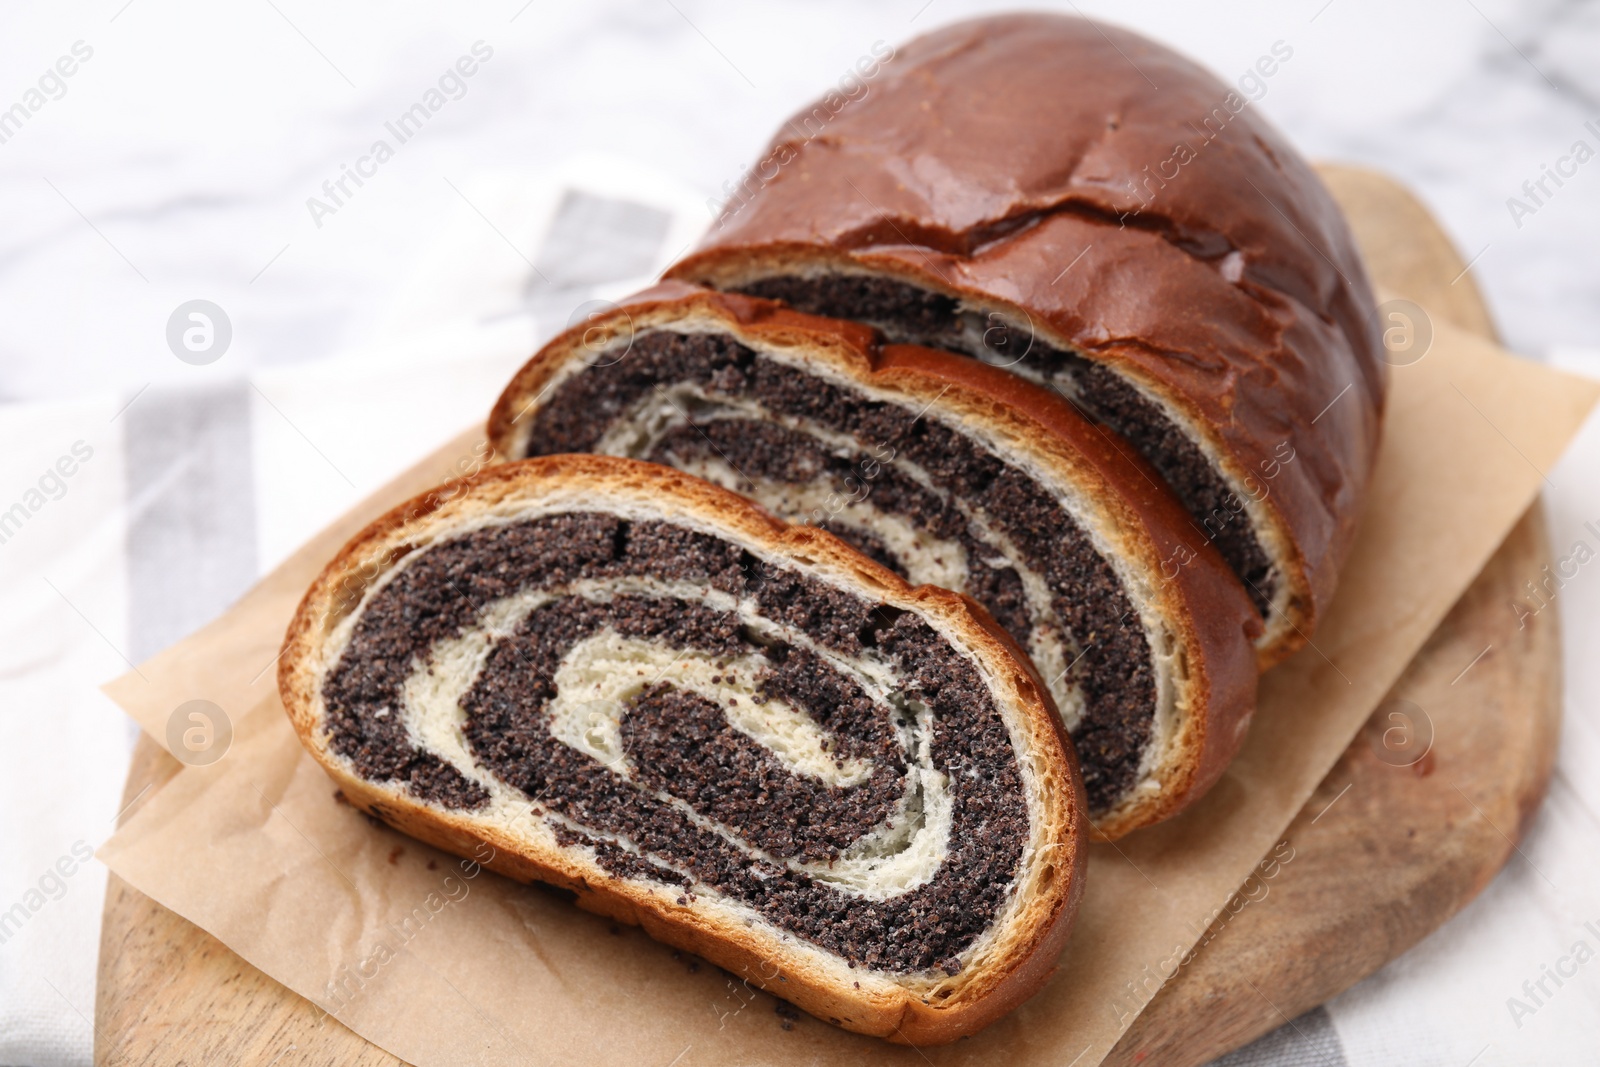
(1089, 209)
(952, 473)
(746, 737)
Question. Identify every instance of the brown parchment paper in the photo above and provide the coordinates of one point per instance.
(442, 963)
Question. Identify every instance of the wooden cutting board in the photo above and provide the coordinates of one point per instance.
(1398, 837)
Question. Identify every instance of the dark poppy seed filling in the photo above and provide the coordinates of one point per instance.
(933, 503)
(692, 800)
(910, 314)
(778, 454)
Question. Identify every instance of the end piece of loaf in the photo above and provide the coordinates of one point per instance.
(1093, 211)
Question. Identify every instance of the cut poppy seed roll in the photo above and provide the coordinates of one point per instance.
(1096, 213)
(749, 739)
(951, 473)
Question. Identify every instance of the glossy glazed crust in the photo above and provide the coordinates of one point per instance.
(1132, 208)
(1037, 931)
(1190, 586)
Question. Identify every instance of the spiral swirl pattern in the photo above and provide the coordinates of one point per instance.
(697, 719)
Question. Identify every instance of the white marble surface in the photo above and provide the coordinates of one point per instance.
(178, 161)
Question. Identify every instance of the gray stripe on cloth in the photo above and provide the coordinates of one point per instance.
(1309, 1041)
(591, 240)
(595, 239)
(191, 536)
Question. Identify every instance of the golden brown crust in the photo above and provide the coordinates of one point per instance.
(1037, 932)
(1208, 264)
(1214, 620)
